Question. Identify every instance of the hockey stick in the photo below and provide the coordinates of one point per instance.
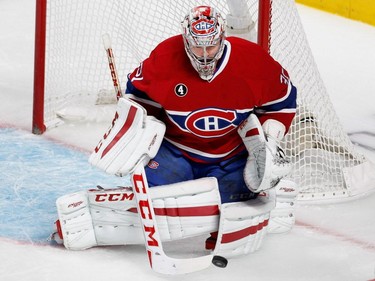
(112, 66)
(159, 261)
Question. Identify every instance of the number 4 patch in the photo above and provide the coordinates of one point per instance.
(181, 90)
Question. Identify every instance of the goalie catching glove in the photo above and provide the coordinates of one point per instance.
(266, 163)
(133, 137)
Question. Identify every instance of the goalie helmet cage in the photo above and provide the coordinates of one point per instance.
(71, 69)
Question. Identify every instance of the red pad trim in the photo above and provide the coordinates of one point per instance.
(237, 235)
(58, 228)
(185, 212)
(252, 132)
(128, 122)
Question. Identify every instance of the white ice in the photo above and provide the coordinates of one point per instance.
(335, 242)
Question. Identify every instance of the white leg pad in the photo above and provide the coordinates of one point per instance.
(243, 226)
(76, 220)
(282, 217)
(109, 217)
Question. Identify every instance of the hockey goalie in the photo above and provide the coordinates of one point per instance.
(198, 132)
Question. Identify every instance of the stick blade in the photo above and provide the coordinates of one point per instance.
(172, 266)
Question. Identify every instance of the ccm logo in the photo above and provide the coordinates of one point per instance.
(287, 189)
(114, 197)
(145, 209)
(75, 204)
(106, 134)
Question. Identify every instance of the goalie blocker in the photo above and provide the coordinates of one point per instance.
(132, 138)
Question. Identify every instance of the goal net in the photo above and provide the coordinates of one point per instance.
(71, 73)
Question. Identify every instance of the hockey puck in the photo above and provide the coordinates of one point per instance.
(219, 261)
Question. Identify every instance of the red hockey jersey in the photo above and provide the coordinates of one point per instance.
(202, 116)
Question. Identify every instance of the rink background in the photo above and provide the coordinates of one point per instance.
(335, 242)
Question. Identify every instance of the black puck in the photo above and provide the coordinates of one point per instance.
(219, 261)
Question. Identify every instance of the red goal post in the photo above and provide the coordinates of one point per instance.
(71, 71)
(39, 67)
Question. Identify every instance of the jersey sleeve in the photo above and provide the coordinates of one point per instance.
(139, 84)
(279, 98)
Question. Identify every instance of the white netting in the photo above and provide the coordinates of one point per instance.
(316, 142)
(77, 71)
(76, 64)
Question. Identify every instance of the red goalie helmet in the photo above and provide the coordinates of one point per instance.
(203, 33)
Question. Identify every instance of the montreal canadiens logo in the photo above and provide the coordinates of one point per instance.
(203, 27)
(211, 122)
(153, 164)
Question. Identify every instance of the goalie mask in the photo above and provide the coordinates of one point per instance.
(203, 34)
